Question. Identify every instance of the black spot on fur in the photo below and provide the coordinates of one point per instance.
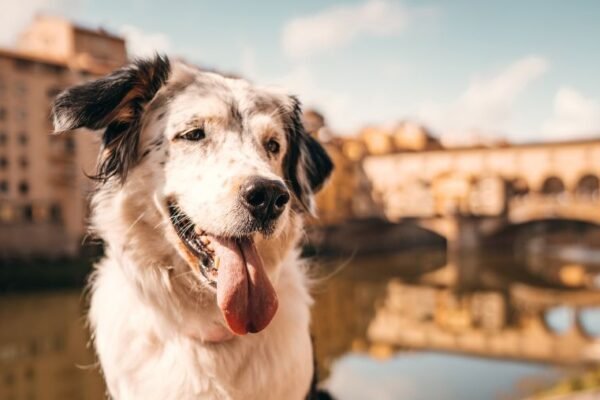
(145, 153)
(161, 116)
(236, 116)
(307, 165)
(116, 103)
(157, 142)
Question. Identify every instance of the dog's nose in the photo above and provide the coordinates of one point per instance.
(264, 198)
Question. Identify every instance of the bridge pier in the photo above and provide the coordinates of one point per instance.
(463, 250)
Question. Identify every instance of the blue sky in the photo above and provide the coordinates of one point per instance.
(471, 70)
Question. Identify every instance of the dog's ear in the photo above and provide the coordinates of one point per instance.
(307, 164)
(114, 103)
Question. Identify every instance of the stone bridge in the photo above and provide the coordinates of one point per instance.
(464, 194)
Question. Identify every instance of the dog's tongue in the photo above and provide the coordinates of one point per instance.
(244, 292)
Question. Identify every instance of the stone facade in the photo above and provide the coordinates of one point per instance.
(43, 187)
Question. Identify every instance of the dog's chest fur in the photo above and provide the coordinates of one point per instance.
(142, 359)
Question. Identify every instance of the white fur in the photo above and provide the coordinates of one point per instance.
(144, 359)
(157, 329)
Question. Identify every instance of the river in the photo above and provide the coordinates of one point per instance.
(44, 352)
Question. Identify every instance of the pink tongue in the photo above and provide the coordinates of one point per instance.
(244, 292)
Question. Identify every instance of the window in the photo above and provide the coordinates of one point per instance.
(23, 187)
(28, 213)
(70, 144)
(33, 348)
(29, 373)
(23, 65)
(55, 213)
(23, 162)
(58, 343)
(3, 186)
(3, 163)
(6, 213)
(2, 113)
(9, 379)
(23, 139)
(22, 115)
(53, 69)
(3, 138)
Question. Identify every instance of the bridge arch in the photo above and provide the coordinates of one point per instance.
(552, 186)
(588, 186)
(517, 187)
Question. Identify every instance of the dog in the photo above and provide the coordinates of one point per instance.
(203, 183)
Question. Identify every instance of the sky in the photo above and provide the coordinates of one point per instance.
(469, 70)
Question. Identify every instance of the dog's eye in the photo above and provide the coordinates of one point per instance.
(194, 135)
(272, 146)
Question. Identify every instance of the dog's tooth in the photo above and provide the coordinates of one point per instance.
(204, 240)
(198, 230)
(217, 263)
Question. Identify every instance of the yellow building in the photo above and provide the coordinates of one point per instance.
(43, 188)
(348, 193)
(401, 137)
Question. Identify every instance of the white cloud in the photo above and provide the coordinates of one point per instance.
(486, 106)
(143, 44)
(575, 116)
(16, 15)
(301, 81)
(346, 111)
(339, 25)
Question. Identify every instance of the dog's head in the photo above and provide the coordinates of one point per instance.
(229, 166)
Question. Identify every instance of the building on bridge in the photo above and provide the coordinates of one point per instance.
(530, 181)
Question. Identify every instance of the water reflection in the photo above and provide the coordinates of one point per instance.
(590, 321)
(427, 376)
(376, 322)
(43, 349)
(559, 319)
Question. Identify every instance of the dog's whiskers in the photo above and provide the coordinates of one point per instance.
(181, 274)
(138, 219)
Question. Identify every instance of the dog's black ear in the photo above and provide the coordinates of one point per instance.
(114, 103)
(307, 164)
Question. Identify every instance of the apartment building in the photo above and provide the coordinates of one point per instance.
(43, 188)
